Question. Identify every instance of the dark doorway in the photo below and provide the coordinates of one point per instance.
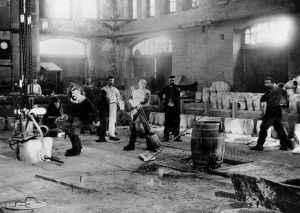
(73, 68)
(156, 70)
(256, 64)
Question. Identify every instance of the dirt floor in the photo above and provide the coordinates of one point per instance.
(101, 179)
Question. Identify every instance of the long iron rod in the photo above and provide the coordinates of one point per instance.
(160, 150)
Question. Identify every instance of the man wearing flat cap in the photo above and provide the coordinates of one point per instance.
(34, 88)
(171, 105)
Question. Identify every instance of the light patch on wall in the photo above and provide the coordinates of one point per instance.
(276, 33)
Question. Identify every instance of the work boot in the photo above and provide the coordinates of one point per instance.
(69, 150)
(72, 153)
(129, 147)
(101, 140)
(257, 148)
(114, 138)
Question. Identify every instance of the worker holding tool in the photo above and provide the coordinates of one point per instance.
(138, 100)
(86, 112)
(171, 106)
(272, 116)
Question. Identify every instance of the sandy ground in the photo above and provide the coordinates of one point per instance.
(106, 171)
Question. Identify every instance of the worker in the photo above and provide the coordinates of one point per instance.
(54, 111)
(88, 88)
(272, 116)
(138, 100)
(83, 109)
(34, 88)
(115, 99)
(103, 109)
(171, 106)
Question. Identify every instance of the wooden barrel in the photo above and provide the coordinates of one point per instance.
(207, 144)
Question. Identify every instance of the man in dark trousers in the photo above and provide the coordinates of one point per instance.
(139, 100)
(171, 106)
(272, 116)
(103, 109)
(83, 109)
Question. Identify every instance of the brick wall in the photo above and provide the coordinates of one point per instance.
(211, 50)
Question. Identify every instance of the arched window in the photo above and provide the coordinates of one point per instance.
(153, 46)
(62, 47)
(277, 32)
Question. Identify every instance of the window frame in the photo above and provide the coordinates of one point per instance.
(149, 8)
(97, 12)
(70, 11)
(170, 2)
(133, 13)
(197, 3)
(265, 43)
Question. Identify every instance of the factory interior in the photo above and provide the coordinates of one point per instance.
(152, 106)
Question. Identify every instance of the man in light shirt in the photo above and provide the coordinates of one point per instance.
(114, 98)
(34, 88)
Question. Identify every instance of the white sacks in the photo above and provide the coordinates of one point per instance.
(227, 124)
(184, 120)
(222, 87)
(249, 101)
(226, 100)
(248, 126)
(159, 118)
(237, 126)
(205, 94)
(294, 102)
(152, 118)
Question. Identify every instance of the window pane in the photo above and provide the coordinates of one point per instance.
(71, 47)
(152, 8)
(172, 6)
(53, 46)
(134, 9)
(154, 46)
(62, 9)
(90, 9)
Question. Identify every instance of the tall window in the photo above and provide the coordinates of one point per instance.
(172, 6)
(90, 9)
(62, 8)
(153, 46)
(62, 47)
(195, 3)
(134, 9)
(274, 33)
(151, 8)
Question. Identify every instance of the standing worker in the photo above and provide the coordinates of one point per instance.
(138, 100)
(114, 98)
(34, 88)
(272, 116)
(171, 106)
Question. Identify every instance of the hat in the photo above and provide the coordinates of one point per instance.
(172, 76)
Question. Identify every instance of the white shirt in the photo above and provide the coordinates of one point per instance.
(113, 95)
(36, 89)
